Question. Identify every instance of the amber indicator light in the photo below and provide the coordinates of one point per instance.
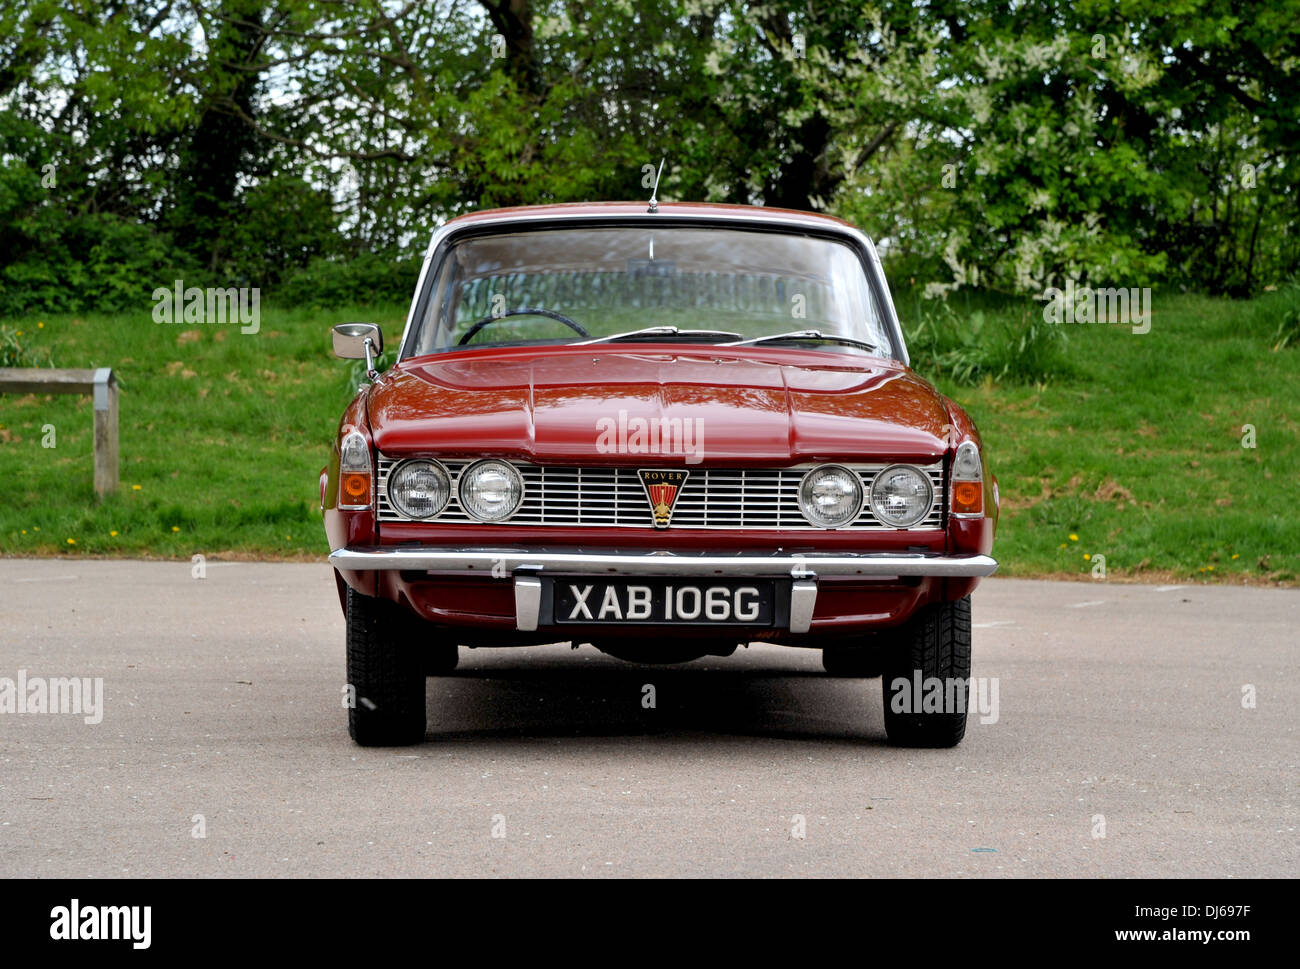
(356, 485)
(968, 497)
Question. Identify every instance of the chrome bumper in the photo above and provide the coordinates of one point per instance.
(524, 566)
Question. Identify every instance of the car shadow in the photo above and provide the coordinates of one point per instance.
(576, 696)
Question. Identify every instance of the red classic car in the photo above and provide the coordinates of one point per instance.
(662, 431)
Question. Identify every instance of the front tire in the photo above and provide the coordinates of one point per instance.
(386, 674)
(934, 646)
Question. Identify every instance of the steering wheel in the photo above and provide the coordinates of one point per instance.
(488, 320)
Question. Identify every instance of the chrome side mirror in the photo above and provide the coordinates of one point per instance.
(350, 340)
(359, 341)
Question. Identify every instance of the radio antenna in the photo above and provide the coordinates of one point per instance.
(654, 192)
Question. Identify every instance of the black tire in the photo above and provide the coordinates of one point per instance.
(385, 671)
(858, 660)
(934, 644)
(440, 658)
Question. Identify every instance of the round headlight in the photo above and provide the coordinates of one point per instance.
(419, 489)
(901, 496)
(830, 496)
(491, 490)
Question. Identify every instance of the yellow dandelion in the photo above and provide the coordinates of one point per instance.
(1087, 557)
(136, 487)
(24, 531)
(1073, 537)
(40, 326)
(36, 528)
(176, 528)
(112, 534)
(1063, 544)
(72, 541)
(1210, 568)
(1237, 556)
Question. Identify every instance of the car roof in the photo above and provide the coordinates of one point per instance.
(676, 209)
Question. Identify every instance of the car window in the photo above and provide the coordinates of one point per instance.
(521, 287)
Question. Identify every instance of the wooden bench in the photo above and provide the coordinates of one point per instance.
(101, 385)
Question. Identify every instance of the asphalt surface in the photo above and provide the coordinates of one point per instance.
(1125, 744)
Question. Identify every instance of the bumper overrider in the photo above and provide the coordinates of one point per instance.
(525, 568)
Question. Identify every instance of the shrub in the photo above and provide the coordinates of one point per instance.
(978, 345)
(367, 279)
(1273, 316)
(1284, 306)
(94, 262)
(14, 353)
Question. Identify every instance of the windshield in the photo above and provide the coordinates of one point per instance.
(676, 284)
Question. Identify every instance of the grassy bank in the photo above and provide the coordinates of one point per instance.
(1109, 443)
(1139, 449)
(223, 435)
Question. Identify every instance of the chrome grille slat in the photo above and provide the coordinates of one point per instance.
(714, 498)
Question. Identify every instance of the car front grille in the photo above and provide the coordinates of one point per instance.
(611, 497)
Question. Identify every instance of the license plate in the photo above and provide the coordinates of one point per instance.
(661, 601)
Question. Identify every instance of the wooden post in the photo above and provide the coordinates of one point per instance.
(101, 385)
(105, 396)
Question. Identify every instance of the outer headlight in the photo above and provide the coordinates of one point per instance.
(491, 490)
(830, 496)
(419, 489)
(901, 496)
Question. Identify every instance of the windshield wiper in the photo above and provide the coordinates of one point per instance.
(805, 335)
(655, 331)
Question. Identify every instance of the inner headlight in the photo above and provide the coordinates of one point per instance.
(491, 490)
(901, 496)
(830, 496)
(419, 489)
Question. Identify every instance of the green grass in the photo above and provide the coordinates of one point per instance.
(1131, 443)
(222, 437)
(1137, 454)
